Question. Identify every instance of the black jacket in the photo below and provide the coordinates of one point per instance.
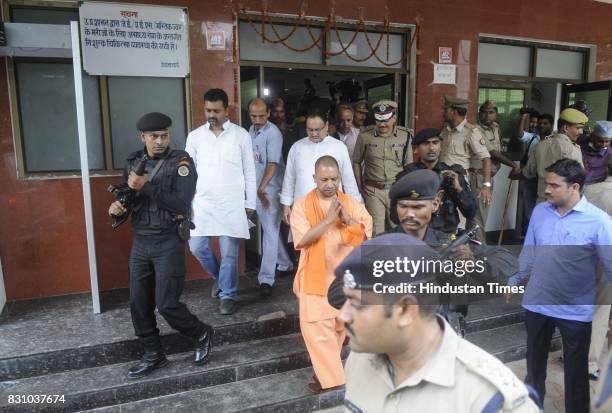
(447, 217)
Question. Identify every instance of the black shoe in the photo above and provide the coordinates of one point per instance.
(146, 365)
(265, 290)
(214, 293)
(594, 376)
(204, 347)
(227, 306)
(285, 273)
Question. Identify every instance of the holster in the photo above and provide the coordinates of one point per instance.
(184, 228)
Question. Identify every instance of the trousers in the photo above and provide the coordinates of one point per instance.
(157, 277)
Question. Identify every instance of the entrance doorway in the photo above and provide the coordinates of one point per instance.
(303, 88)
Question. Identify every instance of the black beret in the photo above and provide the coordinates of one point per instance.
(153, 121)
(382, 260)
(416, 185)
(425, 134)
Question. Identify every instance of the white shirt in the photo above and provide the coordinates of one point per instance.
(302, 156)
(226, 173)
(349, 139)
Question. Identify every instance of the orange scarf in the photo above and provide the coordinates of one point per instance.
(315, 267)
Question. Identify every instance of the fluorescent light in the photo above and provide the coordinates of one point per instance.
(266, 91)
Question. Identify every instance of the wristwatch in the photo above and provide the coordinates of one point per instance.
(487, 184)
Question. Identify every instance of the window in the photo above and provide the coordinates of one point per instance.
(46, 135)
(132, 97)
(531, 60)
(48, 117)
(307, 45)
(502, 59)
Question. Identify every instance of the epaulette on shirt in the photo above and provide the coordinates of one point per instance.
(470, 126)
(405, 129)
(513, 392)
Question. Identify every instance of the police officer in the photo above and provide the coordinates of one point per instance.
(384, 149)
(455, 191)
(406, 358)
(491, 132)
(463, 144)
(160, 220)
(560, 145)
(361, 114)
(414, 199)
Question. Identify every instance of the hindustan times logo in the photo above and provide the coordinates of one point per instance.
(409, 267)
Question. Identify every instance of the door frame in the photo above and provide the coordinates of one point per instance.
(586, 87)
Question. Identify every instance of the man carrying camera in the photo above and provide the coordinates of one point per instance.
(160, 218)
(456, 194)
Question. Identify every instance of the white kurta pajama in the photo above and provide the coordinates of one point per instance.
(226, 180)
(225, 187)
(298, 180)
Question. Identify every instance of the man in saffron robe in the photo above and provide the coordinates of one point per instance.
(326, 225)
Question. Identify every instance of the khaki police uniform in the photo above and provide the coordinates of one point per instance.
(460, 377)
(600, 195)
(546, 153)
(492, 139)
(383, 158)
(361, 106)
(464, 145)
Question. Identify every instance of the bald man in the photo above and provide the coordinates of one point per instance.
(326, 225)
(267, 150)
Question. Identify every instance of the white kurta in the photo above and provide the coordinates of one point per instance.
(350, 139)
(226, 176)
(298, 180)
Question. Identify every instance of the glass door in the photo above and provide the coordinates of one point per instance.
(596, 95)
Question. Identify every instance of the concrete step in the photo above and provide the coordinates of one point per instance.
(128, 350)
(508, 343)
(235, 373)
(59, 334)
(31, 345)
(278, 393)
(108, 385)
(287, 392)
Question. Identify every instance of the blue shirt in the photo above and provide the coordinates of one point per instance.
(268, 147)
(527, 138)
(560, 257)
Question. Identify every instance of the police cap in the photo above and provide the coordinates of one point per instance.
(153, 121)
(418, 185)
(488, 105)
(361, 106)
(455, 102)
(374, 261)
(603, 129)
(574, 116)
(425, 134)
(384, 109)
